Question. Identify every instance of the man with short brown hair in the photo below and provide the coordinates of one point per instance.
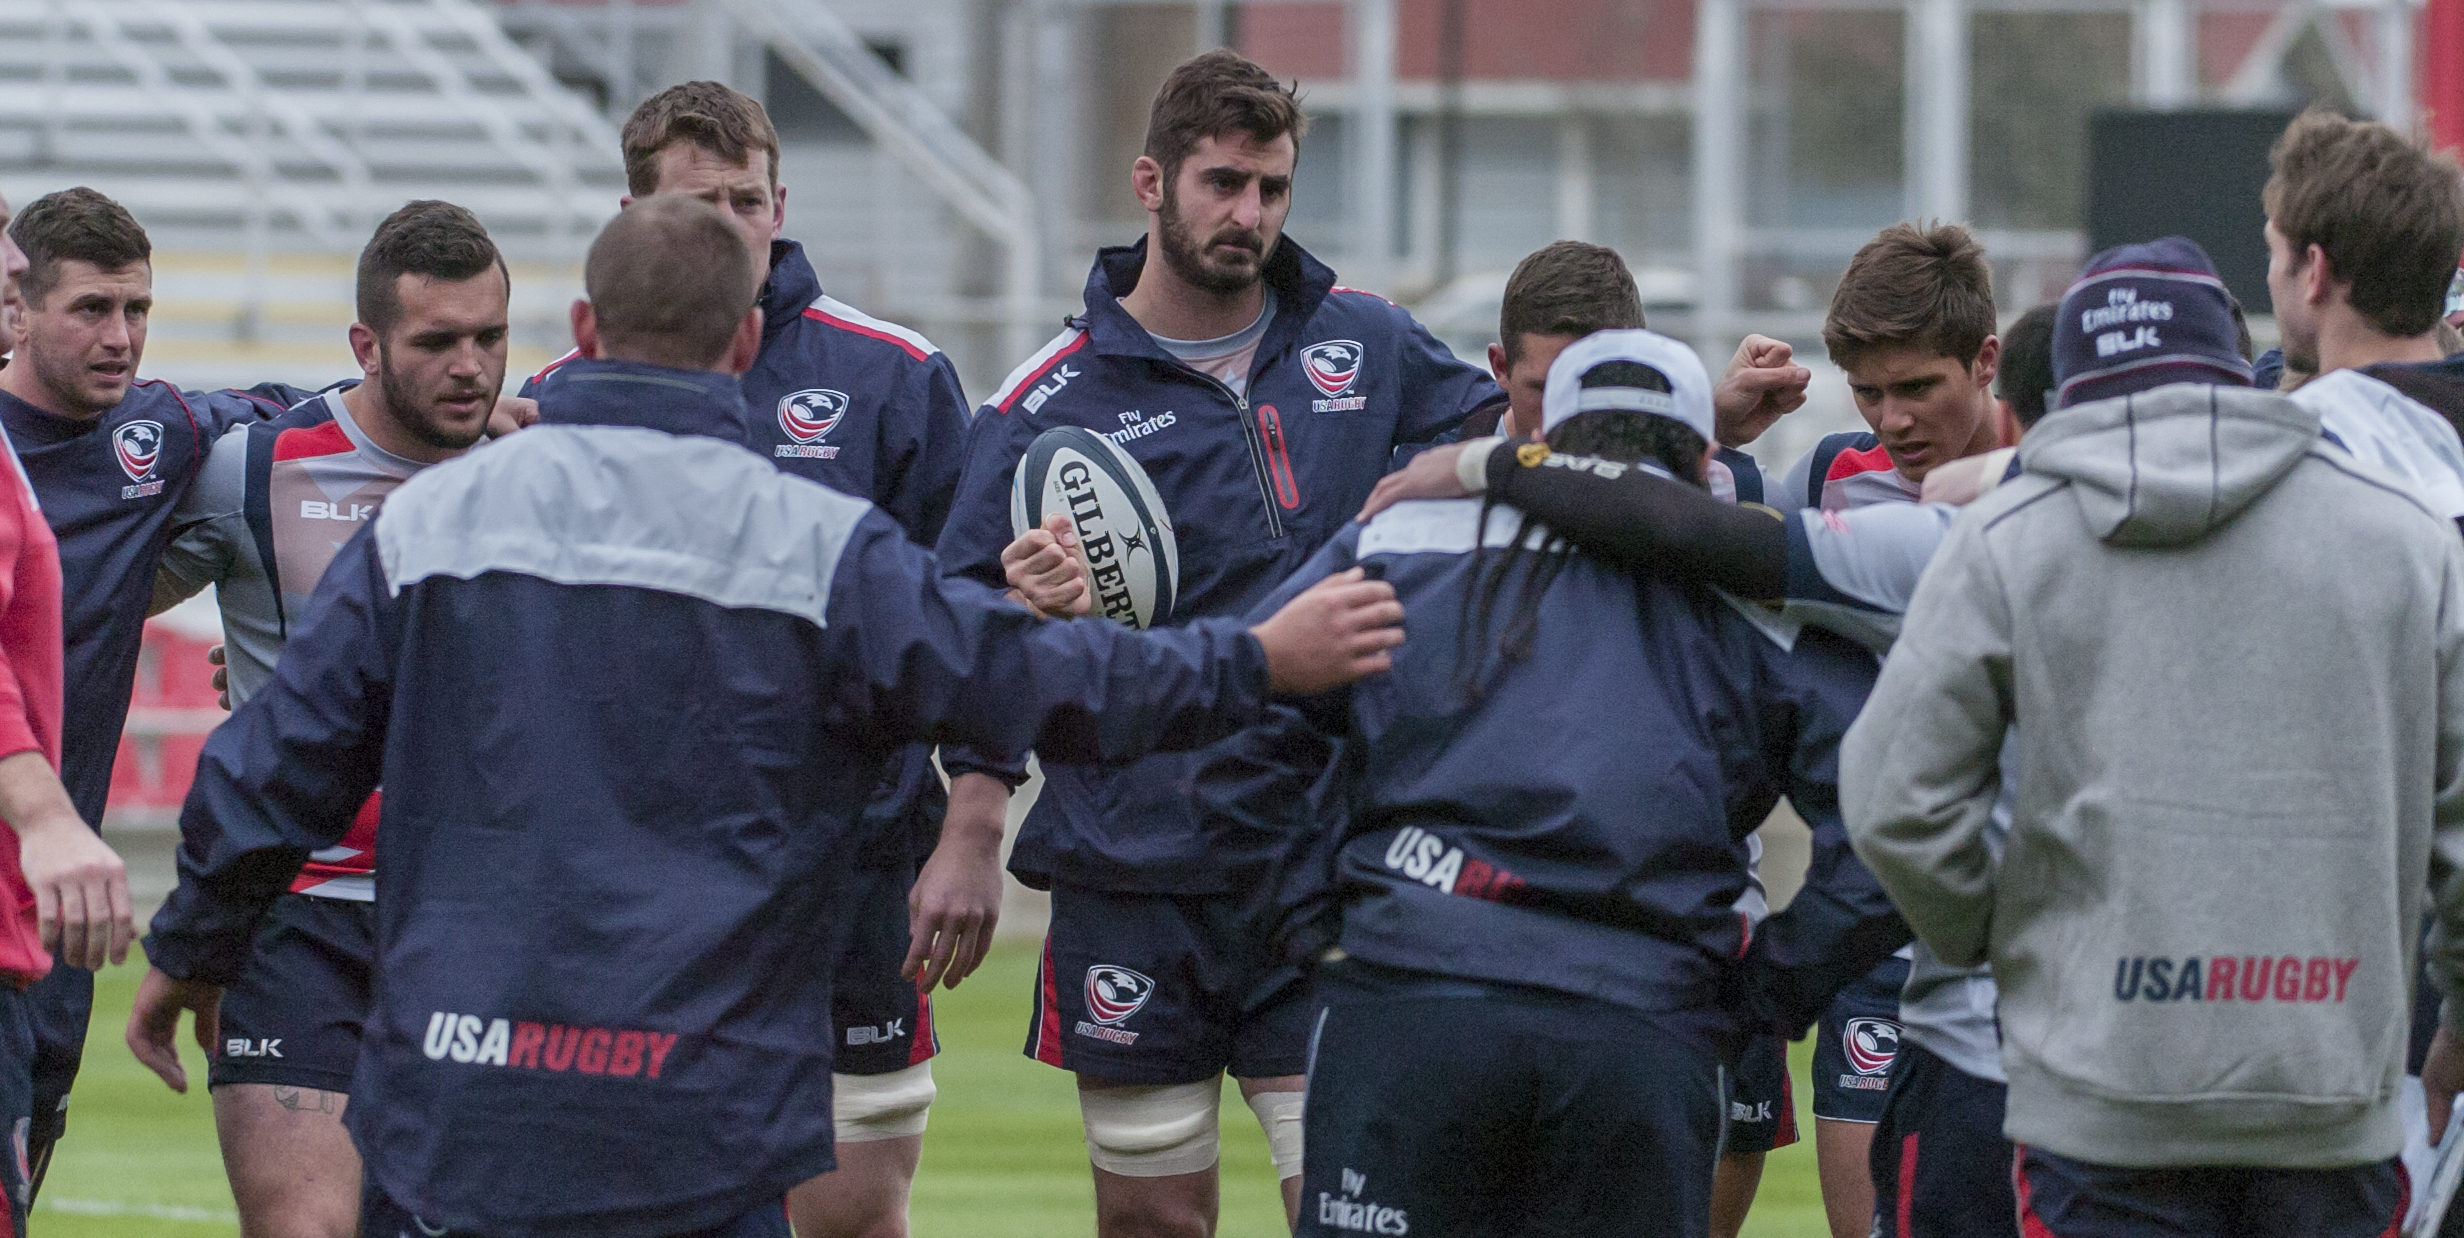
(1558, 294)
(1264, 402)
(110, 455)
(2364, 226)
(267, 515)
(872, 409)
(1912, 323)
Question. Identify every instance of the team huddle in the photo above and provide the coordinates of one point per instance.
(1404, 726)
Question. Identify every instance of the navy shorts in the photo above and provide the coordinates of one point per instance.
(1942, 1168)
(380, 1217)
(1762, 1108)
(883, 1022)
(2063, 1198)
(293, 1017)
(1441, 1107)
(1163, 988)
(1855, 1044)
(59, 1006)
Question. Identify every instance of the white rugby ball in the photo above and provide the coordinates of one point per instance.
(1132, 561)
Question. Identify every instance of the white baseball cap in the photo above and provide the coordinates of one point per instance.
(1687, 400)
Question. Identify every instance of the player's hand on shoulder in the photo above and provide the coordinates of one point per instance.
(1433, 474)
(217, 659)
(81, 902)
(1338, 630)
(1046, 572)
(1763, 384)
(512, 413)
(154, 1023)
(1962, 482)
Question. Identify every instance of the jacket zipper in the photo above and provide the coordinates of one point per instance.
(1257, 455)
(1278, 458)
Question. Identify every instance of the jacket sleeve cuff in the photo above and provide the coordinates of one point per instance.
(956, 760)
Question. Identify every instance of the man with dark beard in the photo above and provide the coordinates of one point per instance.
(1264, 402)
(276, 502)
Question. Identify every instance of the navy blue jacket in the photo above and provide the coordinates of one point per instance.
(628, 688)
(867, 408)
(1576, 819)
(1343, 382)
(108, 488)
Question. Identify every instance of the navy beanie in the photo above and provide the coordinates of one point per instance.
(2145, 316)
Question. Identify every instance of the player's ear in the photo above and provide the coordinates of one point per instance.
(745, 347)
(585, 329)
(364, 350)
(1497, 363)
(778, 213)
(1146, 179)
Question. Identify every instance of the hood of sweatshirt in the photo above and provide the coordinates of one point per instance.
(2165, 467)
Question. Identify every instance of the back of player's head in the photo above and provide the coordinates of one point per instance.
(712, 115)
(1630, 396)
(1214, 94)
(427, 238)
(1912, 287)
(669, 279)
(2386, 210)
(74, 225)
(2027, 364)
(2143, 316)
(1567, 288)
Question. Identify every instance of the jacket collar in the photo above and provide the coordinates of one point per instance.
(1300, 282)
(654, 397)
(792, 285)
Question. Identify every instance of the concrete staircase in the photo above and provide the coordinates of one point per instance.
(259, 141)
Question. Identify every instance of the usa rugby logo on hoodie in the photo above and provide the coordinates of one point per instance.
(139, 447)
(807, 417)
(1333, 367)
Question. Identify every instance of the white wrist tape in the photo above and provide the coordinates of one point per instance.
(866, 1108)
(1471, 465)
(1280, 1113)
(1153, 1130)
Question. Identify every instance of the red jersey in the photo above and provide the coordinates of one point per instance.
(30, 645)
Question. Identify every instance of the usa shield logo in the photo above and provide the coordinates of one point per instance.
(1333, 365)
(808, 415)
(1115, 993)
(1872, 1045)
(139, 446)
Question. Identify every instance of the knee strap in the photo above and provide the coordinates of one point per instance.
(892, 1106)
(1153, 1130)
(1279, 1113)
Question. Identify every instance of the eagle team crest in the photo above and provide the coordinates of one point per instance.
(807, 417)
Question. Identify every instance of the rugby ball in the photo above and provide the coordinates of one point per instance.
(1132, 561)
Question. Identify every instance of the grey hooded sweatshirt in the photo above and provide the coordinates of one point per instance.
(2234, 658)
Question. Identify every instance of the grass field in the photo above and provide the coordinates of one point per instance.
(1004, 1158)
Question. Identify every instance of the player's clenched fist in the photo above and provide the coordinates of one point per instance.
(1340, 629)
(1046, 571)
(1762, 385)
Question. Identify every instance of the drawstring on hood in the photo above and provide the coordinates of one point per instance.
(2166, 467)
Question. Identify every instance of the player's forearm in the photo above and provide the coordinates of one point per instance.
(32, 800)
(1634, 518)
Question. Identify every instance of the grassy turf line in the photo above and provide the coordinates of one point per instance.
(1003, 1158)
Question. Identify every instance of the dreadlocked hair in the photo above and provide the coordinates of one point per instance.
(1622, 435)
